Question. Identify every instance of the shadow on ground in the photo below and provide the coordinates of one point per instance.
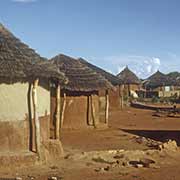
(157, 135)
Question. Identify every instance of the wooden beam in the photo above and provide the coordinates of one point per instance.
(36, 118)
(107, 108)
(63, 110)
(58, 108)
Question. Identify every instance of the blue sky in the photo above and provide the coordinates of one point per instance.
(143, 34)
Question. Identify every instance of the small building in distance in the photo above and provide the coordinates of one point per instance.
(160, 85)
(131, 82)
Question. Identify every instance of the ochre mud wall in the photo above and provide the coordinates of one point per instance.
(75, 116)
(134, 87)
(114, 99)
(14, 136)
(127, 88)
(45, 127)
(78, 111)
(15, 110)
(102, 105)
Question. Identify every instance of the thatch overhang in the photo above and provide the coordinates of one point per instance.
(110, 77)
(81, 77)
(128, 77)
(158, 79)
(19, 63)
(47, 70)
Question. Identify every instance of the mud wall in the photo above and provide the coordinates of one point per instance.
(14, 102)
(134, 87)
(75, 116)
(14, 136)
(114, 99)
(14, 116)
(129, 87)
(78, 111)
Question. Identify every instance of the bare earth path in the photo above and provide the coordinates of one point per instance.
(125, 127)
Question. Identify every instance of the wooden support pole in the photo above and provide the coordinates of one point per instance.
(36, 118)
(58, 108)
(122, 96)
(93, 111)
(63, 110)
(107, 108)
(89, 113)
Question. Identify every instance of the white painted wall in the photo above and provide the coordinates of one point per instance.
(13, 101)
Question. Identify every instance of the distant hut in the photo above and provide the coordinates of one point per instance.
(130, 81)
(24, 96)
(160, 85)
(115, 95)
(79, 98)
(175, 79)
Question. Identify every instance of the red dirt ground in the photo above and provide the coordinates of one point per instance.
(124, 126)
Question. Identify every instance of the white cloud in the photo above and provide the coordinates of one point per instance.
(24, 1)
(143, 66)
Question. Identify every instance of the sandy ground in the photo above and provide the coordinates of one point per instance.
(125, 128)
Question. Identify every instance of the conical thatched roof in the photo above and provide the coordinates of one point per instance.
(128, 77)
(174, 75)
(175, 78)
(18, 62)
(158, 79)
(110, 77)
(81, 77)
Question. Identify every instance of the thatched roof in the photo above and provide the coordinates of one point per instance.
(174, 75)
(110, 77)
(18, 62)
(81, 77)
(175, 78)
(47, 70)
(128, 77)
(158, 79)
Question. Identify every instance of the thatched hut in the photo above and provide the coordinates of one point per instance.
(160, 84)
(130, 81)
(115, 95)
(79, 98)
(24, 95)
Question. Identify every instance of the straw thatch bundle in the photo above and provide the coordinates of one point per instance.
(110, 77)
(18, 62)
(80, 76)
(128, 77)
